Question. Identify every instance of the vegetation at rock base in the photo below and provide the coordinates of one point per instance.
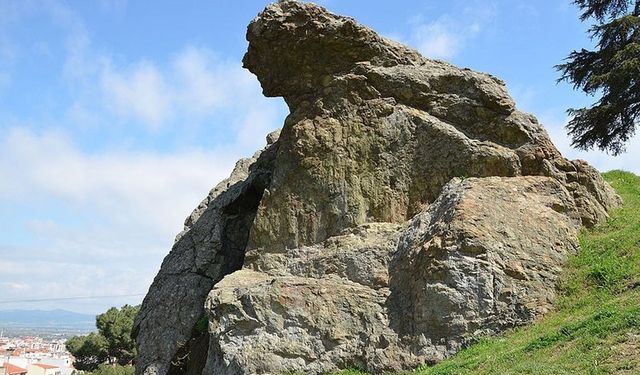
(112, 344)
(595, 328)
(610, 71)
(115, 325)
(105, 369)
(89, 350)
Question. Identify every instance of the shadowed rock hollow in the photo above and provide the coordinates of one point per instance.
(405, 209)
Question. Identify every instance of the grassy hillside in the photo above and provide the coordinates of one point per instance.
(596, 326)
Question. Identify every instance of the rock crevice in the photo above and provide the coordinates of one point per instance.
(211, 246)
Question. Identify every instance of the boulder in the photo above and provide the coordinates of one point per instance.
(376, 130)
(483, 258)
(405, 209)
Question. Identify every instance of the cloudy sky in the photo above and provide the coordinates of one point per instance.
(117, 117)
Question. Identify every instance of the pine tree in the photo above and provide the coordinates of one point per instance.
(612, 70)
(111, 344)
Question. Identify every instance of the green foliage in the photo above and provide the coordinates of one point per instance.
(609, 260)
(89, 351)
(112, 343)
(612, 71)
(349, 372)
(105, 369)
(115, 325)
(600, 9)
(599, 324)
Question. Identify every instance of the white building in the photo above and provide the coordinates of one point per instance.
(65, 364)
(43, 369)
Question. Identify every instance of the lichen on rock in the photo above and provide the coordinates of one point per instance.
(405, 209)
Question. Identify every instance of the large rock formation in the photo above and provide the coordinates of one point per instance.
(405, 209)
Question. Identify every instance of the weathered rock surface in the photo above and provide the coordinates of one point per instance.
(484, 257)
(376, 130)
(406, 209)
(210, 246)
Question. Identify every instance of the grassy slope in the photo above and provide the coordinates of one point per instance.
(596, 326)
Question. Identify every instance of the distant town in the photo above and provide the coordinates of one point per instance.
(33, 355)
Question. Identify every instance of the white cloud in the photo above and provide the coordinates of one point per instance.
(186, 90)
(256, 120)
(203, 84)
(155, 189)
(194, 85)
(438, 39)
(191, 86)
(129, 204)
(447, 35)
(97, 218)
(40, 278)
(140, 92)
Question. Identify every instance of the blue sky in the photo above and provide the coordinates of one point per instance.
(117, 117)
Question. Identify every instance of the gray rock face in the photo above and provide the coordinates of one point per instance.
(376, 130)
(312, 310)
(211, 246)
(405, 209)
(484, 257)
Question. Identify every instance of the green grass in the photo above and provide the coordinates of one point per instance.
(595, 328)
